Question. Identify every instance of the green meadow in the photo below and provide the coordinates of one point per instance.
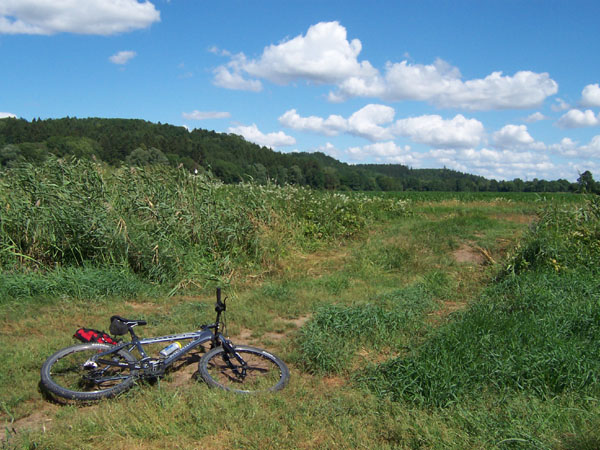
(408, 320)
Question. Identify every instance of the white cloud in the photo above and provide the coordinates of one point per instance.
(591, 149)
(576, 118)
(365, 123)
(497, 164)
(325, 56)
(103, 17)
(590, 96)
(330, 149)
(560, 105)
(569, 148)
(496, 91)
(231, 79)
(490, 163)
(332, 126)
(4, 115)
(437, 132)
(515, 137)
(535, 117)
(566, 147)
(203, 115)
(441, 84)
(122, 57)
(383, 152)
(253, 134)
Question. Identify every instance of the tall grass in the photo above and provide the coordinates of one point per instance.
(536, 330)
(163, 224)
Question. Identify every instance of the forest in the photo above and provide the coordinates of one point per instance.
(232, 159)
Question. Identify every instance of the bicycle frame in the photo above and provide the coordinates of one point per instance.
(153, 366)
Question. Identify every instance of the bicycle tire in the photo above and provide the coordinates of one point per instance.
(265, 372)
(63, 374)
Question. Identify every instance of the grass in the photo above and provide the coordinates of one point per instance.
(394, 292)
(70, 282)
(163, 225)
(534, 331)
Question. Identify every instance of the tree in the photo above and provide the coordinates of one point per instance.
(259, 173)
(586, 182)
(10, 154)
(331, 179)
(142, 157)
(295, 175)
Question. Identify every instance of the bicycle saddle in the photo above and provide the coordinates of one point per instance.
(119, 325)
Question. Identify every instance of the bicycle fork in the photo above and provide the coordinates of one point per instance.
(229, 350)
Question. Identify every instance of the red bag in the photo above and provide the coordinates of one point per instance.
(91, 335)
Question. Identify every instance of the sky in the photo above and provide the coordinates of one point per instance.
(500, 88)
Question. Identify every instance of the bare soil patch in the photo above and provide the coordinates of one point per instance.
(39, 420)
(468, 253)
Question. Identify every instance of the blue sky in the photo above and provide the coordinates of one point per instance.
(503, 89)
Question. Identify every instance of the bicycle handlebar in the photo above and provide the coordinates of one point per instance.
(220, 305)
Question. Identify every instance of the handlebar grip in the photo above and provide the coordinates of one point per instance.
(219, 306)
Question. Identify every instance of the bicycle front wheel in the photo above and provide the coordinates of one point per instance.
(67, 375)
(263, 372)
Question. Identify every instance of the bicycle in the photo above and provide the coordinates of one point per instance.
(92, 371)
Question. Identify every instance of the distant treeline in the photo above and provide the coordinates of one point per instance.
(233, 159)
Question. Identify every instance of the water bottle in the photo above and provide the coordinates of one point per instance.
(170, 349)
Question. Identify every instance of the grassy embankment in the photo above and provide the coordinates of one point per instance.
(419, 330)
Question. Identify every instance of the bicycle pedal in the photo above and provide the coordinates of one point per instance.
(154, 368)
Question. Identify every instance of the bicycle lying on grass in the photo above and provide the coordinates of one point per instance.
(93, 370)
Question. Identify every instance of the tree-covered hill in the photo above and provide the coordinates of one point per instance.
(229, 157)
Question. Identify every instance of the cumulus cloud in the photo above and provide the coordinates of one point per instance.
(591, 149)
(590, 96)
(203, 115)
(437, 132)
(253, 134)
(331, 150)
(331, 126)
(572, 149)
(103, 17)
(122, 57)
(497, 164)
(516, 137)
(384, 152)
(366, 122)
(4, 115)
(369, 122)
(325, 56)
(535, 117)
(231, 78)
(560, 105)
(576, 118)
(442, 85)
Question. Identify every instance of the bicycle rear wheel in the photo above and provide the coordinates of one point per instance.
(264, 372)
(64, 373)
